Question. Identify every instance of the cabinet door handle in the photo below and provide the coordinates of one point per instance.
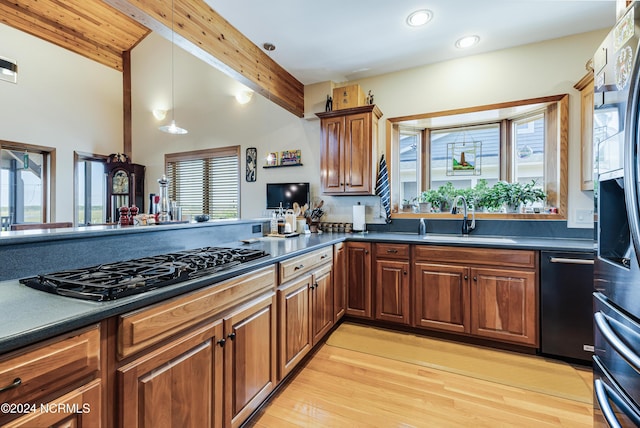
(16, 383)
(405, 272)
(366, 251)
(466, 277)
(298, 267)
(231, 336)
(221, 343)
(475, 278)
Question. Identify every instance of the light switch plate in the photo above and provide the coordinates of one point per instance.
(584, 216)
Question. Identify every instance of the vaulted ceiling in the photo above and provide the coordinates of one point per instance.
(105, 31)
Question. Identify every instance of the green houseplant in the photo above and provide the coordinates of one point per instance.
(514, 195)
(430, 199)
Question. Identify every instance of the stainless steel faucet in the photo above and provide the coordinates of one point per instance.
(467, 226)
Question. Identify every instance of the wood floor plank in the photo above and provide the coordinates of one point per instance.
(343, 388)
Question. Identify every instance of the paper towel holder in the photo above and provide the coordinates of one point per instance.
(359, 223)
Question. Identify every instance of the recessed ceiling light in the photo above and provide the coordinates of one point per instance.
(467, 42)
(419, 17)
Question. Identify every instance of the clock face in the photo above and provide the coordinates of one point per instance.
(120, 182)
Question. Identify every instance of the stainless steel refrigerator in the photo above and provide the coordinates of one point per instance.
(616, 362)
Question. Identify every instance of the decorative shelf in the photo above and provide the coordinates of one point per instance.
(281, 166)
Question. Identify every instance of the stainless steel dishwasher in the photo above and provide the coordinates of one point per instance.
(566, 308)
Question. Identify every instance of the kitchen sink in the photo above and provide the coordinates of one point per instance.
(434, 237)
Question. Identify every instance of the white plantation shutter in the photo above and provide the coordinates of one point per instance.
(206, 181)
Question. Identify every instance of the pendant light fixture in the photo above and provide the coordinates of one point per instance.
(172, 128)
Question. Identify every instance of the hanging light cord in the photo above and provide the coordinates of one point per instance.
(173, 91)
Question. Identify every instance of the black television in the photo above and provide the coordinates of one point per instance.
(287, 193)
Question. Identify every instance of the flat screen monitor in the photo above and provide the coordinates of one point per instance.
(287, 193)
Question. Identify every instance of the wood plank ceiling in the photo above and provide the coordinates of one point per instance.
(105, 31)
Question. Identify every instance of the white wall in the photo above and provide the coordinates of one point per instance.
(61, 100)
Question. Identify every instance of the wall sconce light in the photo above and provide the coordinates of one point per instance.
(159, 114)
(244, 97)
(8, 70)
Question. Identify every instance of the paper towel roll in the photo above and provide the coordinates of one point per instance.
(359, 224)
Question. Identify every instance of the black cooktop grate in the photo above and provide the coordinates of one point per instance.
(119, 279)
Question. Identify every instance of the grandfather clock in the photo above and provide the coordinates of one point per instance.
(125, 185)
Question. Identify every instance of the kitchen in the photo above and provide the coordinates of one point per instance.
(97, 129)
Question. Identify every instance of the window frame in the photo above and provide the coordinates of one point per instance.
(206, 154)
(556, 145)
(81, 157)
(48, 174)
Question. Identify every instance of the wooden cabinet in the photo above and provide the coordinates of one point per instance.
(441, 297)
(306, 306)
(47, 372)
(82, 408)
(504, 305)
(206, 358)
(294, 313)
(490, 293)
(392, 283)
(348, 150)
(339, 280)
(359, 279)
(249, 359)
(585, 86)
(321, 302)
(179, 384)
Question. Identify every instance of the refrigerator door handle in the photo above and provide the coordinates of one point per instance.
(603, 323)
(603, 392)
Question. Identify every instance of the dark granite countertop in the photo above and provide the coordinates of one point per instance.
(28, 316)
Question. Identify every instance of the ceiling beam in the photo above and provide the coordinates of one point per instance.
(205, 34)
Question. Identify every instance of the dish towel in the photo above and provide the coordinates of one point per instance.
(382, 189)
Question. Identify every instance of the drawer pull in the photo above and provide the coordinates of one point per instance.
(16, 383)
(298, 267)
(392, 251)
(324, 256)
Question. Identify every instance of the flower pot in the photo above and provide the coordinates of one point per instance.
(425, 207)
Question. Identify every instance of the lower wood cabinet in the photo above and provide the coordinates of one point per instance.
(339, 280)
(82, 408)
(179, 384)
(392, 282)
(442, 297)
(488, 293)
(63, 370)
(504, 305)
(306, 314)
(359, 280)
(249, 359)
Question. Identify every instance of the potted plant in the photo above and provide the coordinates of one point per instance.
(513, 195)
(407, 205)
(430, 200)
(447, 193)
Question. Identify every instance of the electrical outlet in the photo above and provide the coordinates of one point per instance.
(584, 216)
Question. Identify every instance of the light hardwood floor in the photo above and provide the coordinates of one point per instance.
(342, 388)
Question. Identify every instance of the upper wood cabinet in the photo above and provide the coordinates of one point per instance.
(585, 86)
(348, 150)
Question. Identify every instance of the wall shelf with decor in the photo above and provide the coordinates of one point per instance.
(281, 166)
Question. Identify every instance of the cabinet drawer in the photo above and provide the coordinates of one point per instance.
(392, 251)
(480, 256)
(297, 266)
(48, 367)
(143, 328)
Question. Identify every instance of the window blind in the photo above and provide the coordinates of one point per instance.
(206, 182)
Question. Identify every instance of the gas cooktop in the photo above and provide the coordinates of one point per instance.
(119, 279)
